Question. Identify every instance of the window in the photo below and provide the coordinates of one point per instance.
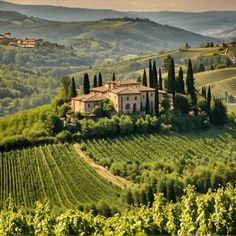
(88, 105)
(151, 94)
(127, 98)
(143, 96)
(135, 98)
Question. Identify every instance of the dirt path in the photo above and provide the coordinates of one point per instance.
(117, 180)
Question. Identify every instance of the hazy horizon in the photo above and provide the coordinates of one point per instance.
(139, 5)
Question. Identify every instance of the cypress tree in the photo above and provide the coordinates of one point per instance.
(190, 83)
(150, 75)
(113, 76)
(204, 93)
(171, 77)
(86, 85)
(100, 79)
(144, 80)
(180, 82)
(147, 104)
(95, 81)
(160, 80)
(209, 98)
(73, 92)
(156, 100)
(155, 79)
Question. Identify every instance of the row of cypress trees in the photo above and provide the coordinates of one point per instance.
(97, 82)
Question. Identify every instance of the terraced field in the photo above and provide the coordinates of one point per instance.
(54, 172)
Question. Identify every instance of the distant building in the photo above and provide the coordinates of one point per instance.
(127, 96)
(7, 39)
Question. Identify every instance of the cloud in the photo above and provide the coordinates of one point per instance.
(142, 5)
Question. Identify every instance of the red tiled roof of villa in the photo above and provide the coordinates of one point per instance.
(89, 98)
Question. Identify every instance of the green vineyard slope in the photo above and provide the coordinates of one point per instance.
(53, 172)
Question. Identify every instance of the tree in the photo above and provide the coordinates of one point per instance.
(100, 79)
(155, 78)
(150, 75)
(190, 83)
(171, 77)
(73, 92)
(147, 104)
(218, 114)
(160, 79)
(144, 80)
(166, 63)
(201, 68)
(204, 93)
(156, 100)
(95, 81)
(181, 103)
(209, 98)
(113, 76)
(86, 84)
(180, 82)
(66, 81)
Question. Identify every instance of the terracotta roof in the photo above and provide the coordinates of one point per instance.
(89, 98)
(142, 88)
(126, 82)
(127, 90)
(100, 89)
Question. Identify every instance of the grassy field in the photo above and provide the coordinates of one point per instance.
(54, 172)
(220, 81)
(132, 67)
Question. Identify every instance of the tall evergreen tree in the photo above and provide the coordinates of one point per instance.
(157, 100)
(160, 79)
(144, 79)
(66, 81)
(155, 78)
(190, 83)
(73, 92)
(147, 104)
(113, 76)
(100, 79)
(180, 82)
(86, 84)
(209, 98)
(204, 93)
(150, 75)
(95, 81)
(171, 77)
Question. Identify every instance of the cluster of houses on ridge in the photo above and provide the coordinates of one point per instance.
(8, 39)
(127, 96)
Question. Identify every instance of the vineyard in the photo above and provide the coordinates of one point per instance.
(196, 147)
(53, 172)
(169, 163)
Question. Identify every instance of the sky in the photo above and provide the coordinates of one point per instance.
(141, 5)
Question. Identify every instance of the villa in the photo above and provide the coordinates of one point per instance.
(127, 96)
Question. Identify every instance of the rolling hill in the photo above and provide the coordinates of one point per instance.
(127, 35)
(209, 23)
(220, 81)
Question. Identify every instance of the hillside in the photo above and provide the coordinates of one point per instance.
(53, 172)
(131, 67)
(126, 35)
(208, 23)
(220, 81)
(21, 89)
(168, 163)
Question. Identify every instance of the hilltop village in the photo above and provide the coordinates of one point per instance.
(9, 39)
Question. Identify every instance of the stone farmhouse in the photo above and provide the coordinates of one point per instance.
(127, 96)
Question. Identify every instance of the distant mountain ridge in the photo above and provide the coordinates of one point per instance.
(210, 23)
